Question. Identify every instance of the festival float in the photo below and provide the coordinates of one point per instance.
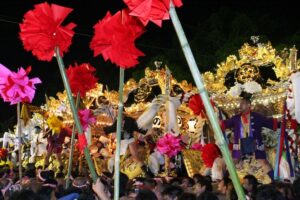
(179, 135)
(180, 121)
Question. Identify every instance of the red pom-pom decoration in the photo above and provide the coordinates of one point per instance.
(114, 38)
(42, 30)
(81, 78)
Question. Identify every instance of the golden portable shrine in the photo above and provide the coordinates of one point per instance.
(258, 69)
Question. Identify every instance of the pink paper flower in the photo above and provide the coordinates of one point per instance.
(169, 145)
(197, 146)
(86, 117)
(16, 87)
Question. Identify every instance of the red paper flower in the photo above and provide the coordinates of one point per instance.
(41, 30)
(151, 10)
(86, 117)
(197, 106)
(81, 78)
(82, 142)
(169, 145)
(114, 39)
(16, 87)
(209, 153)
(3, 153)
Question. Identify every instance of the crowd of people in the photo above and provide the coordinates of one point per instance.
(39, 184)
(43, 183)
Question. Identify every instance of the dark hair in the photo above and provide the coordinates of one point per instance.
(45, 192)
(246, 96)
(86, 196)
(227, 182)
(268, 192)
(25, 194)
(60, 175)
(173, 191)
(47, 174)
(204, 181)
(252, 180)
(286, 187)
(191, 181)
(196, 177)
(175, 181)
(187, 196)
(123, 184)
(207, 196)
(296, 188)
(146, 195)
(30, 170)
(149, 182)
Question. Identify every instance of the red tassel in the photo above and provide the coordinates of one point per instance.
(82, 142)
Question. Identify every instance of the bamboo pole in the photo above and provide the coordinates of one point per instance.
(118, 135)
(210, 112)
(20, 139)
(72, 147)
(74, 112)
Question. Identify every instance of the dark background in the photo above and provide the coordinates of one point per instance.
(214, 28)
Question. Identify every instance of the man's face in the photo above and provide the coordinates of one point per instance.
(244, 106)
(221, 187)
(247, 185)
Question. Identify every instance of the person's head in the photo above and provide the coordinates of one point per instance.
(203, 184)
(175, 181)
(268, 192)
(224, 185)
(80, 183)
(196, 177)
(187, 182)
(48, 189)
(30, 170)
(25, 194)
(99, 144)
(296, 188)
(5, 184)
(123, 184)
(172, 192)
(46, 175)
(245, 103)
(285, 189)
(149, 184)
(146, 195)
(250, 183)
(187, 196)
(207, 196)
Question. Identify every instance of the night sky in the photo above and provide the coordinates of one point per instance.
(278, 21)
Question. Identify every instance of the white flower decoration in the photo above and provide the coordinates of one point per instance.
(252, 87)
(235, 91)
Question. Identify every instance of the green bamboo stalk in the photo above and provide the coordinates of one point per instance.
(118, 135)
(20, 139)
(220, 141)
(72, 147)
(74, 112)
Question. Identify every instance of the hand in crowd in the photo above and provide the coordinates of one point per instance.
(99, 189)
